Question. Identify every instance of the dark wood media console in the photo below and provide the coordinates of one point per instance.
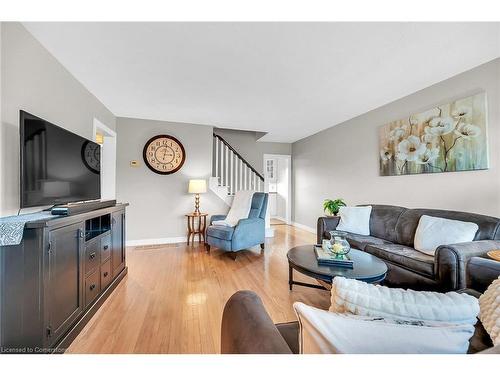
(55, 280)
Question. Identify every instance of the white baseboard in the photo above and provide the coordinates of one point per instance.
(304, 227)
(156, 241)
(278, 218)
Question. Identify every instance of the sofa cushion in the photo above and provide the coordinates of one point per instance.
(383, 221)
(359, 241)
(220, 231)
(404, 256)
(408, 222)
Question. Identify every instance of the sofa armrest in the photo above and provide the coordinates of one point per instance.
(248, 329)
(217, 217)
(451, 261)
(481, 272)
(325, 224)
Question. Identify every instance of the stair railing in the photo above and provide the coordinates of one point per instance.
(232, 169)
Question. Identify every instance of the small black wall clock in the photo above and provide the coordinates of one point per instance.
(91, 155)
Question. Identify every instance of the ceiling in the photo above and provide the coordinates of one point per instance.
(289, 80)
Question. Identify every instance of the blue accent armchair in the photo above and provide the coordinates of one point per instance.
(249, 232)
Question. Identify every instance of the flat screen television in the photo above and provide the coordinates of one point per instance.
(57, 166)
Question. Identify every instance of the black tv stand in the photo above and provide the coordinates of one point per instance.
(81, 207)
(55, 280)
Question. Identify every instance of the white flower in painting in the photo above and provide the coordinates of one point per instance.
(428, 156)
(467, 130)
(400, 156)
(411, 148)
(429, 139)
(413, 121)
(460, 112)
(385, 154)
(440, 126)
(397, 133)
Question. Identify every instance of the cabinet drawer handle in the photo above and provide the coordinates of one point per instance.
(106, 247)
(106, 274)
(92, 287)
(92, 255)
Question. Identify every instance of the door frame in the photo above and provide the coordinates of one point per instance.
(108, 156)
(288, 159)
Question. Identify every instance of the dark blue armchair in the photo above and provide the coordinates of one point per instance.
(249, 232)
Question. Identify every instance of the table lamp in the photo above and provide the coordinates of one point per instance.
(197, 187)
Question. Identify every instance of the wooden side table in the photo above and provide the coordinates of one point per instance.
(196, 229)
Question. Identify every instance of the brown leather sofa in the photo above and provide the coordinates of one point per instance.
(392, 231)
(247, 328)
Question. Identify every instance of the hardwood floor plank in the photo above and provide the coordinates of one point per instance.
(172, 299)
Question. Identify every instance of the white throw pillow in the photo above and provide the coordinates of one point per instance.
(433, 232)
(360, 298)
(355, 220)
(489, 315)
(323, 332)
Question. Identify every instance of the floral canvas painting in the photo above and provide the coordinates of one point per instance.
(448, 138)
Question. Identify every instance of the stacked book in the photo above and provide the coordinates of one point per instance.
(326, 258)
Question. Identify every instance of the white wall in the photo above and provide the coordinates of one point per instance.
(158, 203)
(342, 161)
(33, 80)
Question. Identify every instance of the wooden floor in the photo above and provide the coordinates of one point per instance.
(172, 299)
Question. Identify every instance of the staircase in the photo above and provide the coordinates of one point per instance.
(231, 172)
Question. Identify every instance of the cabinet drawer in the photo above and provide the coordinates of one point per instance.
(91, 257)
(92, 288)
(105, 274)
(105, 248)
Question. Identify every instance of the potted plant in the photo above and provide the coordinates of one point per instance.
(333, 206)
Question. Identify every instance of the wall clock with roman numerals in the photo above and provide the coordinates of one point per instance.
(164, 154)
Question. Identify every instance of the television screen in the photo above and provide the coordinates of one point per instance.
(57, 166)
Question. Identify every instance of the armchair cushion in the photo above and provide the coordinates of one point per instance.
(216, 218)
(220, 231)
(404, 256)
(451, 261)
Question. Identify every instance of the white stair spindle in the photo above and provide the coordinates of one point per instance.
(247, 180)
(241, 175)
(236, 173)
(226, 161)
(217, 169)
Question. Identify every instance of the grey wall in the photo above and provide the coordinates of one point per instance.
(33, 80)
(245, 142)
(158, 203)
(342, 161)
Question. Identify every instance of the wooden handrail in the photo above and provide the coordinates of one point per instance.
(239, 156)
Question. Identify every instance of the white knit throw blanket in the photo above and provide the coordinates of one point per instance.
(359, 298)
(240, 209)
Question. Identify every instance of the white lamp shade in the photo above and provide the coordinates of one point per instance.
(197, 186)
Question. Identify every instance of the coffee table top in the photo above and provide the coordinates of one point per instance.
(366, 267)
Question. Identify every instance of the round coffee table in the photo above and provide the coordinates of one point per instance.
(366, 267)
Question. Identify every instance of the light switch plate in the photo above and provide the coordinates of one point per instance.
(134, 163)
